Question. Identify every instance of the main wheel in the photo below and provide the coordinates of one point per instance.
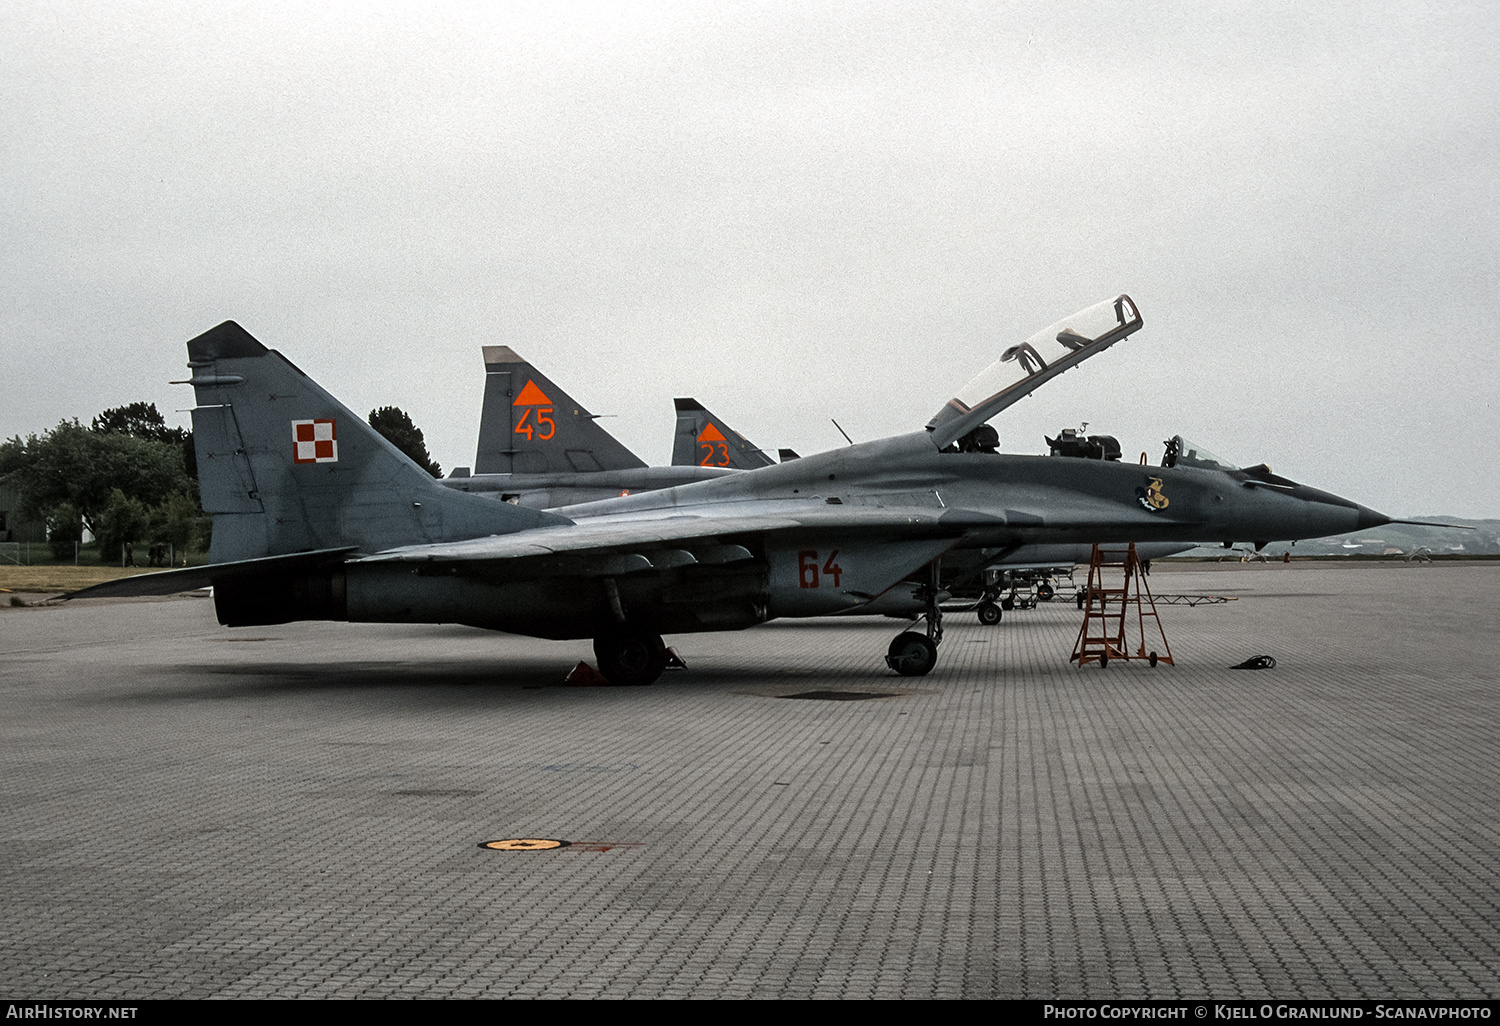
(1007, 603)
(911, 654)
(1044, 592)
(989, 614)
(630, 657)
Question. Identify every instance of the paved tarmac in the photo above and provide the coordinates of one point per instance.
(193, 811)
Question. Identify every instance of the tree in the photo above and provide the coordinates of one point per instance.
(397, 428)
(122, 521)
(177, 521)
(142, 420)
(64, 530)
(74, 465)
(138, 420)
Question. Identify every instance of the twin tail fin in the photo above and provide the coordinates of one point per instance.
(284, 467)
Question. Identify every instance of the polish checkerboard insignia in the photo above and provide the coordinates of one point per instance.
(314, 441)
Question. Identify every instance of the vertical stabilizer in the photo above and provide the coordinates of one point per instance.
(530, 426)
(703, 440)
(284, 467)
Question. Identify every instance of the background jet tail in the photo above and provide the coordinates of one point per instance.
(703, 440)
(284, 467)
(530, 426)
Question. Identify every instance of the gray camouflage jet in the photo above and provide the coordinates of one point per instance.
(539, 447)
(316, 517)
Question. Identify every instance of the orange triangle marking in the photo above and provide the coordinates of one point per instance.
(531, 396)
(711, 434)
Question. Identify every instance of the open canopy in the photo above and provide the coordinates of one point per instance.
(1022, 368)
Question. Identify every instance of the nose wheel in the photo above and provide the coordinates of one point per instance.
(914, 653)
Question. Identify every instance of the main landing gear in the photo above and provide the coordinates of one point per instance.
(914, 653)
(630, 656)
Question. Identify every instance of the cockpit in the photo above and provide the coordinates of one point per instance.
(984, 438)
(1183, 452)
(1072, 442)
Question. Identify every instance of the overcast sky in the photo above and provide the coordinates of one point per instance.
(793, 212)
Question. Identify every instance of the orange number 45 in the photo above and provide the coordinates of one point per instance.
(543, 429)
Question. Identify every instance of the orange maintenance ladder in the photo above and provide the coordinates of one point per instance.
(1107, 612)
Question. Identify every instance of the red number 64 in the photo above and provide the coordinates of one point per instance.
(807, 568)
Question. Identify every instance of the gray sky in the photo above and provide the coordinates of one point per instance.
(790, 211)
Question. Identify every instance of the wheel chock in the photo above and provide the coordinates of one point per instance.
(585, 676)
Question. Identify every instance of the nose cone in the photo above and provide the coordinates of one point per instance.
(1272, 508)
(1304, 512)
(1369, 518)
(1334, 509)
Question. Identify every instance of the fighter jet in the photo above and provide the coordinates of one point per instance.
(539, 447)
(319, 518)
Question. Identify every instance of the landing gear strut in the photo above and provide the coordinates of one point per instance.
(914, 654)
(630, 656)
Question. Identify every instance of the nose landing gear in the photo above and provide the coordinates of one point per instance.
(911, 654)
(914, 653)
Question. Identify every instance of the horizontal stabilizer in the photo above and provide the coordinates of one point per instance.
(170, 582)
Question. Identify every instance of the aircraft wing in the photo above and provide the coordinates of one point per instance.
(609, 536)
(806, 561)
(1022, 368)
(669, 534)
(648, 540)
(790, 547)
